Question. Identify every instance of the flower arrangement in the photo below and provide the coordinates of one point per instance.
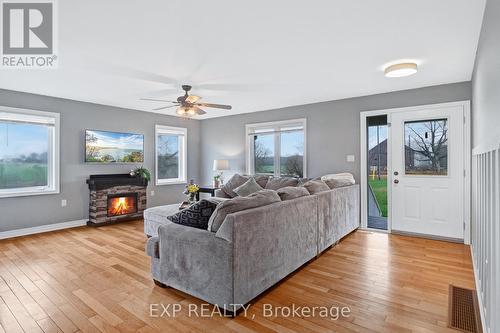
(191, 190)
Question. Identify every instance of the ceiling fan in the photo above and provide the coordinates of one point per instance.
(188, 105)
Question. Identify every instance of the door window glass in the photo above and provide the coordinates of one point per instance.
(426, 147)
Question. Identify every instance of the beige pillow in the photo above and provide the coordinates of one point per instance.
(249, 187)
(340, 182)
(316, 186)
(343, 175)
(291, 192)
(235, 181)
(275, 183)
(257, 199)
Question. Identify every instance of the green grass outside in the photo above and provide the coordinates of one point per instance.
(14, 175)
(379, 188)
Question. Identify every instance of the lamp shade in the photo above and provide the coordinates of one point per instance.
(220, 165)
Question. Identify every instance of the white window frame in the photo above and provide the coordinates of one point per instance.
(273, 127)
(182, 133)
(17, 115)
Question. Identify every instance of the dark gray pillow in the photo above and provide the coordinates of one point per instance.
(235, 181)
(257, 199)
(316, 186)
(249, 187)
(291, 192)
(196, 215)
(275, 183)
(339, 182)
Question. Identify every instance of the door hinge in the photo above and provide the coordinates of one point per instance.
(465, 173)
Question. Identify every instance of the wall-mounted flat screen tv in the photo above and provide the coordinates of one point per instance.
(113, 147)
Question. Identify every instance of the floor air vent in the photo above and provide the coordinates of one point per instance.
(463, 310)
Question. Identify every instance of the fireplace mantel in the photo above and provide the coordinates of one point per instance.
(101, 182)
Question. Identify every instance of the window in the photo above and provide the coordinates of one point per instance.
(170, 155)
(29, 152)
(426, 147)
(277, 149)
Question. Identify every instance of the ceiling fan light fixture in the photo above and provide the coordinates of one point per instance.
(401, 70)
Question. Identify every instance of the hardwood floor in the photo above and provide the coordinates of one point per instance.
(98, 280)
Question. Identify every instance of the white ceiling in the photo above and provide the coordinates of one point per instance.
(255, 55)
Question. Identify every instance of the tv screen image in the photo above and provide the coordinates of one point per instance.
(113, 147)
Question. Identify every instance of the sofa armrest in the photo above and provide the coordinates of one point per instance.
(153, 247)
(196, 262)
(221, 194)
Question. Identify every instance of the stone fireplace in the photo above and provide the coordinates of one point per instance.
(116, 198)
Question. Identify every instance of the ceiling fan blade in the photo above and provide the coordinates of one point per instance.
(199, 111)
(215, 106)
(193, 99)
(164, 107)
(157, 100)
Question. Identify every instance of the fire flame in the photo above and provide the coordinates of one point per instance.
(121, 206)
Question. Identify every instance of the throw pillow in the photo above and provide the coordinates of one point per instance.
(316, 186)
(275, 183)
(249, 187)
(196, 215)
(257, 199)
(235, 181)
(343, 175)
(340, 182)
(261, 180)
(291, 192)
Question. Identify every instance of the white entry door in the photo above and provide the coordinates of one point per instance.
(428, 171)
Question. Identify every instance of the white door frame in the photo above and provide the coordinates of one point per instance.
(364, 171)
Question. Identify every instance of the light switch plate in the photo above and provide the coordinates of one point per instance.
(64, 203)
(351, 158)
(152, 193)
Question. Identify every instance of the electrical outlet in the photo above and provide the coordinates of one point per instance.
(152, 193)
(351, 158)
(64, 203)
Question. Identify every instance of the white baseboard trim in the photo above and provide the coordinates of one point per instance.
(42, 228)
(478, 292)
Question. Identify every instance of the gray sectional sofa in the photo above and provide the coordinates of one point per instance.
(253, 249)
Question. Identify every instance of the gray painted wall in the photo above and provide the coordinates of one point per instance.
(486, 143)
(486, 81)
(24, 212)
(332, 128)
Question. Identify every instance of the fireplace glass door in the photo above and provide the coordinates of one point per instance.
(122, 204)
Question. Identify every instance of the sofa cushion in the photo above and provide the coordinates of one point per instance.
(275, 183)
(249, 187)
(291, 192)
(235, 181)
(257, 199)
(316, 186)
(196, 215)
(339, 182)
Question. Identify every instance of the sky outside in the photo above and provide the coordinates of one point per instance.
(22, 139)
(292, 143)
(372, 135)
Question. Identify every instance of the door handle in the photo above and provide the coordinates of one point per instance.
(396, 181)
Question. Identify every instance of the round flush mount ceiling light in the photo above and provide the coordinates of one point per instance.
(401, 70)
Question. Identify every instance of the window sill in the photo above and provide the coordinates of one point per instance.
(27, 193)
(173, 182)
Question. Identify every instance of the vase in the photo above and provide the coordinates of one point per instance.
(192, 197)
(216, 183)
